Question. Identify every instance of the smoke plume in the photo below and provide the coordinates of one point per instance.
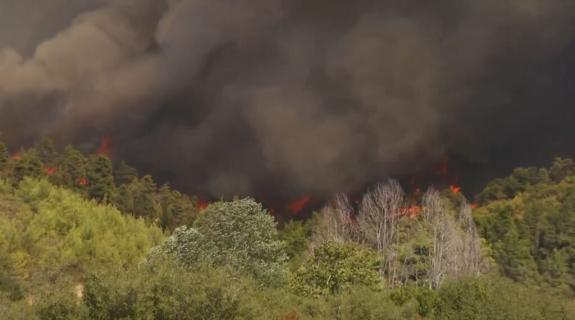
(291, 97)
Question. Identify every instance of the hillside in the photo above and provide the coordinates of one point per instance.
(88, 241)
(48, 233)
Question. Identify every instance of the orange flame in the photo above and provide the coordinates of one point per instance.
(413, 211)
(474, 205)
(82, 182)
(201, 205)
(104, 148)
(50, 170)
(16, 156)
(443, 169)
(455, 189)
(298, 205)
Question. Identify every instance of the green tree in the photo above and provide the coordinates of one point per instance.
(497, 299)
(514, 256)
(72, 170)
(124, 174)
(4, 156)
(177, 208)
(336, 266)
(246, 237)
(46, 151)
(188, 247)
(139, 197)
(561, 169)
(296, 235)
(239, 235)
(161, 290)
(27, 164)
(100, 176)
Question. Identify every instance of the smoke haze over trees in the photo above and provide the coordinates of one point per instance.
(311, 97)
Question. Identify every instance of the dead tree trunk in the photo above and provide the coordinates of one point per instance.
(379, 213)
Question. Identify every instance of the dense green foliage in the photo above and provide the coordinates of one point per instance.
(47, 232)
(239, 235)
(336, 266)
(84, 238)
(96, 177)
(531, 227)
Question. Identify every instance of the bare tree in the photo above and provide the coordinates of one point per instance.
(435, 213)
(378, 215)
(456, 249)
(335, 222)
(471, 250)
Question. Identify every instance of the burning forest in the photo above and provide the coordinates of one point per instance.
(159, 159)
(279, 99)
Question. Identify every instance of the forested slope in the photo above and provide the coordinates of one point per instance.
(82, 238)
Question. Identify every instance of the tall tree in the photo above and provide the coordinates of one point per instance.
(335, 222)
(456, 249)
(100, 176)
(27, 164)
(336, 266)
(514, 256)
(145, 202)
(378, 217)
(124, 174)
(4, 157)
(177, 208)
(46, 151)
(244, 237)
(72, 169)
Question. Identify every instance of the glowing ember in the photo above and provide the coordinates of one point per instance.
(202, 205)
(104, 148)
(455, 189)
(82, 182)
(298, 205)
(50, 170)
(443, 170)
(413, 211)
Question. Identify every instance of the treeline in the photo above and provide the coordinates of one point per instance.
(96, 177)
(528, 219)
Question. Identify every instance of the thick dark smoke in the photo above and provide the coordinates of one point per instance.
(287, 97)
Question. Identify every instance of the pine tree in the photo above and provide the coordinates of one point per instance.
(177, 209)
(4, 156)
(124, 174)
(100, 178)
(46, 152)
(145, 202)
(72, 170)
(514, 256)
(28, 164)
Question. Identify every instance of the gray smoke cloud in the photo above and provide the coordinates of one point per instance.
(275, 96)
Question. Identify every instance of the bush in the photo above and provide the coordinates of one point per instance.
(498, 298)
(238, 235)
(162, 290)
(336, 266)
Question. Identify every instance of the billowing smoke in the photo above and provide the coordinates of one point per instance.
(290, 97)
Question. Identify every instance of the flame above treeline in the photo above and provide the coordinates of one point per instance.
(441, 175)
(288, 99)
(302, 206)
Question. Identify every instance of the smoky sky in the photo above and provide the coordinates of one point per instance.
(289, 97)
